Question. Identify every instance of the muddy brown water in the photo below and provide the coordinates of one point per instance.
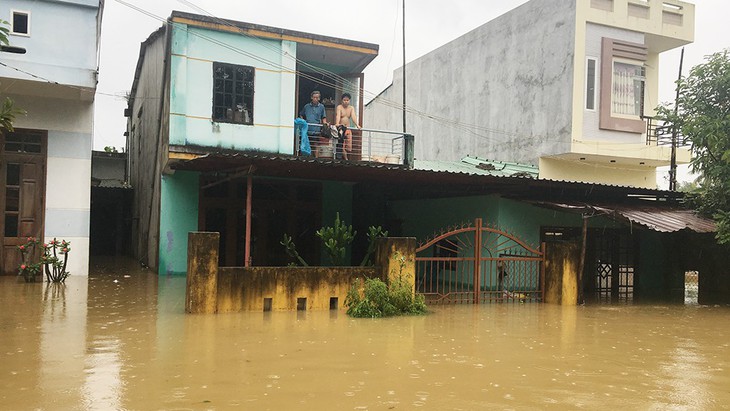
(120, 341)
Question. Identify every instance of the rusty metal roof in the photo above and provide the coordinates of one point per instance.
(654, 217)
(664, 220)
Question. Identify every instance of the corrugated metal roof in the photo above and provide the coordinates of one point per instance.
(225, 160)
(665, 220)
(478, 166)
(656, 218)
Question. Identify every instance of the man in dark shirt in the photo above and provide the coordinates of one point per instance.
(314, 113)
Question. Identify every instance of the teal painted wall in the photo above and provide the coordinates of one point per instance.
(336, 197)
(422, 217)
(191, 90)
(178, 216)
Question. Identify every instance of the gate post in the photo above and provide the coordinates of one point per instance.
(396, 257)
(477, 259)
(201, 288)
(561, 261)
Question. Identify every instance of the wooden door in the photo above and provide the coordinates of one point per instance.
(22, 199)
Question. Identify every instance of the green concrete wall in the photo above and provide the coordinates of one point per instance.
(178, 216)
(336, 198)
(422, 217)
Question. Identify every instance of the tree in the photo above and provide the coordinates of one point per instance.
(8, 111)
(703, 117)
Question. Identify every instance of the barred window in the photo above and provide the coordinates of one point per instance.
(233, 88)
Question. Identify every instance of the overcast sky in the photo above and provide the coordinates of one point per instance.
(429, 24)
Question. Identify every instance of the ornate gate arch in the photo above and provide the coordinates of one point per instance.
(478, 264)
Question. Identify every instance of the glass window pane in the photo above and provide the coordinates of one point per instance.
(14, 147)
(32, 148)
(12, 198)
(11, 225)
(12, 175)
(14, 137)
(20, 23)
(591, 85)
(627, 91)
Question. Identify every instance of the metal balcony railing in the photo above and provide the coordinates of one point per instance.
(365, 145)
(659, 133)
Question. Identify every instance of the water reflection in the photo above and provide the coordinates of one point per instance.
(121, 341)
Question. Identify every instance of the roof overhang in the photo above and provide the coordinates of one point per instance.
(311, 48)
(407, 183)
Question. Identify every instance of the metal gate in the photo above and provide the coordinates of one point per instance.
(479, 264)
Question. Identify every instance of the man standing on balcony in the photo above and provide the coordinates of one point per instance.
(314, 113)
(345, 115)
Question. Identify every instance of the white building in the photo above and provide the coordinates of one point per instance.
(46, 162)
(561, 84)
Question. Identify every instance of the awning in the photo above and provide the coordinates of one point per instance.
(654, 217)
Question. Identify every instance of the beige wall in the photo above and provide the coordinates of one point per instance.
(658, 30)
(244, 289)
(576, 170)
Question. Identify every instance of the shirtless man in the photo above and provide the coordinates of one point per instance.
(345, 114)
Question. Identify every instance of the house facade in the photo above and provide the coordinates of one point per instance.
(46, 161)
(563, 85)
(204, 85)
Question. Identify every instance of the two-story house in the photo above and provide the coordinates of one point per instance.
(563, 85)
(206, 88)
(46, 162)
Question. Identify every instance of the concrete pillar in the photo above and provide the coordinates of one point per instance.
(561, 273)
(201, 290)
(396, 257)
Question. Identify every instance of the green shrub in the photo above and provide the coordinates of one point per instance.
(382, 300)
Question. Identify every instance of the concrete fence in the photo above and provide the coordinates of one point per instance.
(213, 289)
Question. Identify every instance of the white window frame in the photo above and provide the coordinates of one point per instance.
(12, 22)
(595, 84)
(643, 97)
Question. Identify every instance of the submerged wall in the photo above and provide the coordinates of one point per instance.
(562, 261)
(212, 289)
(247, 289)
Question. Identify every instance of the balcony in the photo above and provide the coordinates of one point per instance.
(659, 133)
(367, 145)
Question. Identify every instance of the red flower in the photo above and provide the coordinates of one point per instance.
(22, 266)
(22, 247)
(45, 245)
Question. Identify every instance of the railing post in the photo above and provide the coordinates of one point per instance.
(477, 259)
(408, 150)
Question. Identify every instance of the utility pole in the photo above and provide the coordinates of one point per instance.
(404, 66)
(673, 162)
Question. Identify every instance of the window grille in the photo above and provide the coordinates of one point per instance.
(233, 90)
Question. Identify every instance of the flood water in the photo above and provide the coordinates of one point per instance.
(122, 341)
